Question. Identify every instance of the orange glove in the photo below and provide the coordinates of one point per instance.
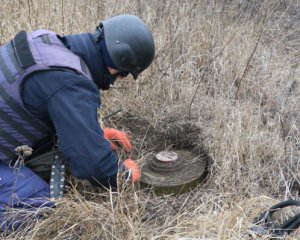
(114, 135)
(134, 172)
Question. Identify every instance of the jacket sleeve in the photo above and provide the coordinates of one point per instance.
(73, 111)
(72, 102)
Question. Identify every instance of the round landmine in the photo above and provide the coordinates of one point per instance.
(173, 172)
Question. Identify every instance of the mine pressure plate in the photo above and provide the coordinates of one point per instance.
(174, 172)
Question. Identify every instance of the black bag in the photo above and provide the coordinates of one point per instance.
(41, 164)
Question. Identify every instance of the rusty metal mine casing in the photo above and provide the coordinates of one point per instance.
(172, 172)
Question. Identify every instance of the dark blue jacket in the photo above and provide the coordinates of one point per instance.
(69, 102)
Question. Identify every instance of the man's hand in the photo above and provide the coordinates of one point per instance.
(134, 172)
(119, 137)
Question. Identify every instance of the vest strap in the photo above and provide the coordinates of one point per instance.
(12, 55)
(7, 152)
(11, 140)
(20, 111)
(15, 125)
(22, 50)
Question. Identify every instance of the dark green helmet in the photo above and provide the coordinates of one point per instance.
(129, 43)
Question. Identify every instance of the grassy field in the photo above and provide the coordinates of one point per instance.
(227, 69)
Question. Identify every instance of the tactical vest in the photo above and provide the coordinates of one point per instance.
(27, 53)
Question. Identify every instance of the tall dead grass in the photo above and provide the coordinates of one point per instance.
(228, 67)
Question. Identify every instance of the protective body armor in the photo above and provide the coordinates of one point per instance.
(26, 54)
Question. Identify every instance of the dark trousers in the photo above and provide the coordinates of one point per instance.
(21, 188)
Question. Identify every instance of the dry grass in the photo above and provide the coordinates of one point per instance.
(230, 68)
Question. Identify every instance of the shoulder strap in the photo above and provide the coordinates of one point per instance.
(22, 50)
